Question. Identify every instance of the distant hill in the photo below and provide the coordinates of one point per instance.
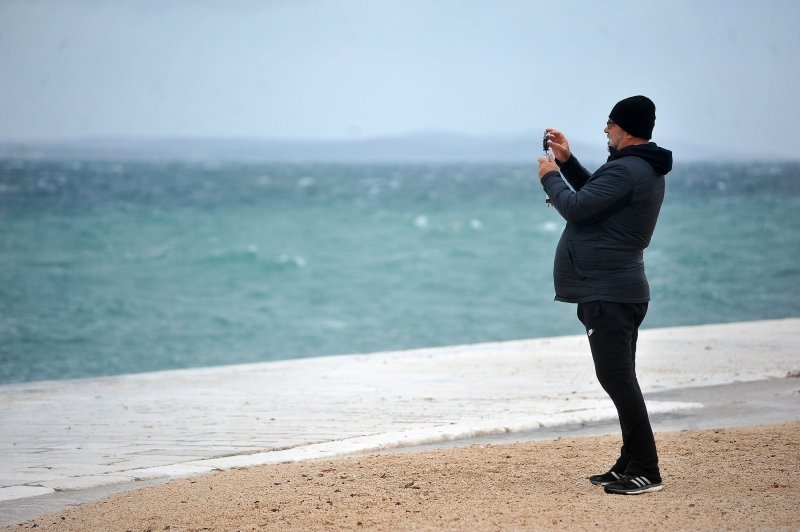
(423, 148)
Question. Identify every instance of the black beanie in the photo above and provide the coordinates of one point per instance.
(636, 115)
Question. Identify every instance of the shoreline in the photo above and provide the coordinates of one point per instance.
(772, 401)
(716, 478)
(74, 441)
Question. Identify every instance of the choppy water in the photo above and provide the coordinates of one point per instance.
(110, 268)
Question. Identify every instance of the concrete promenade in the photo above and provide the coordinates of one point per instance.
(77, 435)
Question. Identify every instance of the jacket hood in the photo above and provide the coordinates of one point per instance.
(659, 158)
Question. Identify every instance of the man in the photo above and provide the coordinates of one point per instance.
(611, 215)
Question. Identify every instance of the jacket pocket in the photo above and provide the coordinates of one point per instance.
(573, 259)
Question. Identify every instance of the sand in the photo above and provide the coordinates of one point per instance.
(735, 478)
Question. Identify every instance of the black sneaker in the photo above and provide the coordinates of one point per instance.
(633, 485)
(605, 478)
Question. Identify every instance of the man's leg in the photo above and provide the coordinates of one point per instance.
(612, 329)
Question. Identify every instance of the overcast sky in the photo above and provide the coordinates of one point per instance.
(723, 74)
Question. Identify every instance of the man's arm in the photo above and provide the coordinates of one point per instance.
(574, 172)
(605, 188)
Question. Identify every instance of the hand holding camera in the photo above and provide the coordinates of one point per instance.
(546, 163)
(557, 142)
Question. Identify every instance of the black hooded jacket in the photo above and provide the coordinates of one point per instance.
(610, 216)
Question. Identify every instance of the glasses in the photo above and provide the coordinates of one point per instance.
(610, 123)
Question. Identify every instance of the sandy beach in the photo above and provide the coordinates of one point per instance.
(739, 478)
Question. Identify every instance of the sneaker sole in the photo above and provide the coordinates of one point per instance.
(603, 482)
(637, 491)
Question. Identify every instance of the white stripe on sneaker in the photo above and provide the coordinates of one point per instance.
(616, 477)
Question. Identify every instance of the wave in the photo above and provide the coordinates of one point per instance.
(251, 256)
(434, 435)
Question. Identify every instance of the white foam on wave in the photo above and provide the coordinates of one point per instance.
(297, 260)
(549, 227)
(431, 435)
(305, 182)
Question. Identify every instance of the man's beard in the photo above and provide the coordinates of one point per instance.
(610, 144)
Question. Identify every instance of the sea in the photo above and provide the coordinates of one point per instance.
(114, 267)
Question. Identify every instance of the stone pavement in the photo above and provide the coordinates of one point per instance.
(80, 434)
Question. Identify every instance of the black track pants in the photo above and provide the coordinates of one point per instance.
(613, 329)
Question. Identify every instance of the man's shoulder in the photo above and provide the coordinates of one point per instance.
(616, 167)
(629, 166)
